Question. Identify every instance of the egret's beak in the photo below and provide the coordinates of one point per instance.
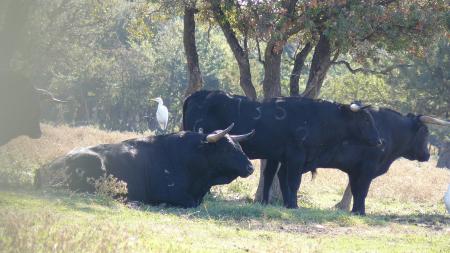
(154, 99)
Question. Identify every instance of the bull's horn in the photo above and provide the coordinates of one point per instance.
(355, 108)
(49, 95)
(242, 137)
(431, 120)
(214, 137)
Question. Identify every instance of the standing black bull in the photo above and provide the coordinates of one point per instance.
(178, 169)
(403, 136)
(289, 131)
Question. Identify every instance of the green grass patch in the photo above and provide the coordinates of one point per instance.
(64, 222)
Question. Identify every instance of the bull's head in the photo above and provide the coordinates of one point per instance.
(19, 107)
(226, 155)
(418, 149)
(361, 124)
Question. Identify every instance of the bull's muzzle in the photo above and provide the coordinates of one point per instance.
(249, 170)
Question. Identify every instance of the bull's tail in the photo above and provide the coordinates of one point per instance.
(313, 174)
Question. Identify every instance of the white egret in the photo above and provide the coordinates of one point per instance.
(447, 199)
(162, 114)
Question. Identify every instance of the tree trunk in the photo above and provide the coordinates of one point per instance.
(272, 72)
(241, 55)
(444, 156)
(320, 64)
(346, 200)
(271, 88)
(296, 71)
(195, 76)
(13, 32)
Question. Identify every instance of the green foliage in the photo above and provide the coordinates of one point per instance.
(349, 87)
(110, 57)
(426, 85)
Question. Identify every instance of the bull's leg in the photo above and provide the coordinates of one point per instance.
(269, 174)
(294, 176)
(283, 178)
(359, 187)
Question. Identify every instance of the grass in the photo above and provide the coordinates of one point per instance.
(405, 211)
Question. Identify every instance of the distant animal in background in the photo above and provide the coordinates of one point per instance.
(19, 107)
(162, 114)
(447, 199)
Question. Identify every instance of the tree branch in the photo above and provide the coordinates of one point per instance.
(240, 54)
(259, 52)
(190, 48)
(296, 71)
(370, 71)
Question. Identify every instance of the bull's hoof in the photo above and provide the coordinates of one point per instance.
(358, 213)
(343, 206)
(292, 206)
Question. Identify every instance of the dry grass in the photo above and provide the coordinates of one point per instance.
(406, 181)
(405, 204)
(56, 141)
(22, 156)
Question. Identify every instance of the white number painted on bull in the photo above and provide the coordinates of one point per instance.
(259, 113)
(279, 108)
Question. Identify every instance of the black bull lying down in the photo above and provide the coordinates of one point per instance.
(177, 169)
(291, 130)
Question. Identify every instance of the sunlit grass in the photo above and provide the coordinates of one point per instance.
(405, 211)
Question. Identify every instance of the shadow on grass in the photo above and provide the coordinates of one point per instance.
(222, 210)
(229, 210)
(236, 210)
(73, 201)
(425, 220)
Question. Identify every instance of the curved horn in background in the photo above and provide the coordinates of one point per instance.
(214, 137)
(355, 107)
(49, 95)
(242, 137)
(434, 121)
